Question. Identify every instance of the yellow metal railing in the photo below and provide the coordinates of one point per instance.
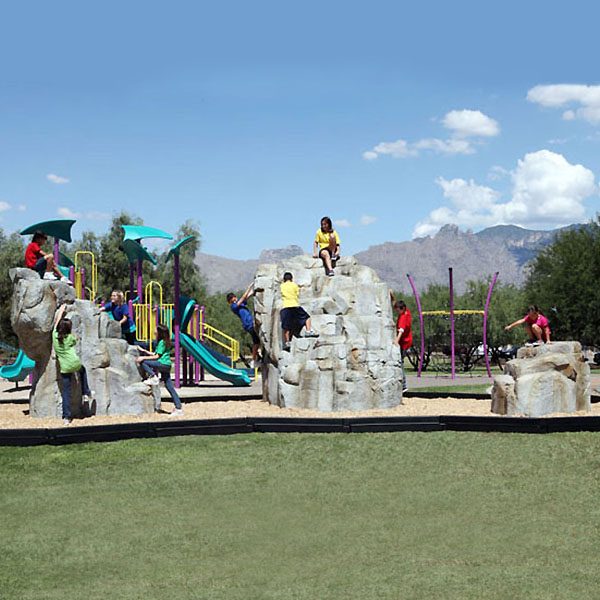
(446, 313)
(231, 345)
(92, 288)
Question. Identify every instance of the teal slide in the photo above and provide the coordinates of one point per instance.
(236, 376)
(19, 370)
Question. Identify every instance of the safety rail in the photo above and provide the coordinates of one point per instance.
(442, 313)
(223, 340)
(80, 273)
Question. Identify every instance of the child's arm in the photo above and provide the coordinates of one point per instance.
(151, 356)
(519, 322)
(547, 332)
(249, 291)
(59, 315)
(316, 249)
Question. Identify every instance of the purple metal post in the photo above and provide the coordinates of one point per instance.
(82, 283)
(452, 352)
(197, 336)
(177, 321)
(421, 323)
(72, 274)
(140, 282)
(201, 337)
(131, 281)
(485, 320)
(56, 252)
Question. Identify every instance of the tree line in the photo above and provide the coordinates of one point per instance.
(563, 280)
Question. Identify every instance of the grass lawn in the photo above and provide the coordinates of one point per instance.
(266, 516)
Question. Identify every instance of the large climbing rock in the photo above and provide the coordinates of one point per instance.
(109, 361)
(551, 378)
(354, 364)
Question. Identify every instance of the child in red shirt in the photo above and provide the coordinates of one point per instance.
(404, 336)
(38, 260)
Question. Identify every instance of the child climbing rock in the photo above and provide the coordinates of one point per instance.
(293, 316)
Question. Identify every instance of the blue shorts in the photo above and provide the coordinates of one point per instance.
(293, 318)
(40, 266)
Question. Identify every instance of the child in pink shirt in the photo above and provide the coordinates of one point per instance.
(536, 325)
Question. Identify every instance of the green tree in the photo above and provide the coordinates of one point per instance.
(563, 282)
(11, 255)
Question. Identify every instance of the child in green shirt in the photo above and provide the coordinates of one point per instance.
(160, 362)
(64, 343)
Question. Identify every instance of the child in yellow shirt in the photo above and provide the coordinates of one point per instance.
(293, 316)
(327, 245)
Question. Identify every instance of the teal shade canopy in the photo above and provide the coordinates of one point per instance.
(179, 245)
(64, 260)
(135, 251)
(139, 232)
(59, 228)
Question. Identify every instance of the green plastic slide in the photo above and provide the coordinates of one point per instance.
(236, 376)
(19, 370)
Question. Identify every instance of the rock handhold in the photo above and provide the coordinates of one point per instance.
(353, 364)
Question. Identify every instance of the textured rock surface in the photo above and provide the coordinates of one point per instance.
(544, 379)
(109, 361)
(354, 364)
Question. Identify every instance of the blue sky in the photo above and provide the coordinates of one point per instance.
(256, 119)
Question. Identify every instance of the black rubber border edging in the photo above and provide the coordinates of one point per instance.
(108, 433)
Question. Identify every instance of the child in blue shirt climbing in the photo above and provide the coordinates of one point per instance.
(240, 308)
(120, 312)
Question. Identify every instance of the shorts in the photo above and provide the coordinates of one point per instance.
(293, 318)
(40, 266)
(255, 339)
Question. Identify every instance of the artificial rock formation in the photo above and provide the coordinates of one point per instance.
(354, 364)
(545, 379)
(109, 361)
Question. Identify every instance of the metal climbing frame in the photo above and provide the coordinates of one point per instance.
(452, 313)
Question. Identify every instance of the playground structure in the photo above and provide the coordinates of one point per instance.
(451, 316)
(147, 306)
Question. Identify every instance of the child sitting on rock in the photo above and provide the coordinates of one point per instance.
(293, 316)
(536, 326)
(159, 363)
(327, 245)
(64, 343)
(40, 261)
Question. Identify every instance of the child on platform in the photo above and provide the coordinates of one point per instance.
(64, 343)
(159, 363)
(293, 316)
(327, 245)
(536, 326)
(40, 261)
(120, 312)
(240, 308)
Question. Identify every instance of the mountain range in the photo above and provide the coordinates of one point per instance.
(504, 248)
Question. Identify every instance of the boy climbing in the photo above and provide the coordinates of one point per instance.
(293, 316)
(240, 308)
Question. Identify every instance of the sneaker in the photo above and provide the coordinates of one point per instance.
(405, 389)
(330, 273)
(67, 421)
(154, 380)
(177, 412)
(311, 333)
(89, 397)
(49, 276)
(286, 347)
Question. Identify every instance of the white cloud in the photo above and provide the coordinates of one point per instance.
(67, 213)
(57, 179)
(497, 172)
(547, 191)
(470, 123)
(22, 207)
(4, 206)
(564, 94)
(463, 124)
(342, 223)
(367, 220)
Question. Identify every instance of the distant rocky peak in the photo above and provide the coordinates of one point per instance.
(449, 230)
(278, 254)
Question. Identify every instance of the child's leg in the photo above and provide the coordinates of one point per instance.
(85, 388)
(65, 392)
(326, 258)
(529, 330)
(166, 378)
(286, 336)
(537, 332)
(150, 366)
